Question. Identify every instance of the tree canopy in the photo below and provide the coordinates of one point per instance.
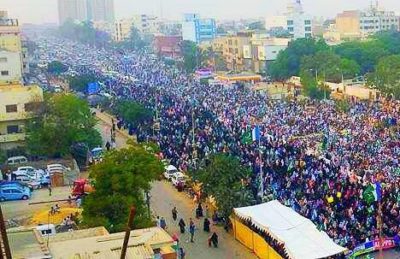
(80, 83)
(63, 121)
(386, 77)
(84, 32)
(225, 178)
(120, 181)
(56, 67)
(133, 112)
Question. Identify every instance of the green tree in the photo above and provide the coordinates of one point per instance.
(80, 83)
(311, 87)
(133, 112)
(64, 120)
(224, 178)
(386, 77)
(193, 56)
(84, 32)
(288, 61)
(349, 68)
(56, 67)
(120, 181)
(325, 63)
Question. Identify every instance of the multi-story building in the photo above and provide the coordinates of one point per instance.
(261, 51)
(11, 59)
(348, 24)
(100, 10)
(144, 23)
(197, 29)
(375, 20)
(275, 21)
(122, 29)
(168, 46)
(72, 10)
(298, 24)
(232, 51)
(17, 106)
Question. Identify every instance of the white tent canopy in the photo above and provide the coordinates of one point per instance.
(301, 237)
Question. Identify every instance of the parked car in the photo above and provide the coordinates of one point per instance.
(32, 183)
(178, 179)
(14, 193)
(17, 160)
(33, 173)
(170, 171)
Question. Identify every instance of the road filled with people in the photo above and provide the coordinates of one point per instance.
(315, 158)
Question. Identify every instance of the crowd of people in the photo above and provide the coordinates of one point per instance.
(316, 159)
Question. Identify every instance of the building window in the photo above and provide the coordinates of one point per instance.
(289, 22)
(308, 35)
(236, 51)
(12, 129)
(307, 22)
(3, 60)
(307, 28)
(290, 29)
(31, 107)
(11, 108)
(4, 73)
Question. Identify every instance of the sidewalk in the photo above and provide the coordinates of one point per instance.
(107, 119)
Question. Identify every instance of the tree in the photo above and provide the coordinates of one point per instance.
(386, 77)
(325, 63)
(190, 54)
(133, 112)
(84, 32)
(311, 87)
(288, 61)
(56, 67)
(64, 120)
(349, 68)
(224, 178)
(80, 83)
(120, 181)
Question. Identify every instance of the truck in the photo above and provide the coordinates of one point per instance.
(81, 187)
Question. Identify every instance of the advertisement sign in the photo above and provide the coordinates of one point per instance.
(93, 88)
(372, 246)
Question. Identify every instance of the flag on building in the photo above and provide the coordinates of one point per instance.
(256, 133)
(246, 138)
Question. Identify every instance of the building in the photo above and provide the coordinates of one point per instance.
(72, 10)
(298, 24)
(376, 19)
(11, 58)
(10, 67)
(16, 107)
(261, 51)
(275, 21)
(348, 24)
(197, 29)
(232, 52)
(147, 24)
(100, 10)
(168, 46)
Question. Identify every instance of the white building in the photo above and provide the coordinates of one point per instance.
(197, 29)
(298, 24)
(144, 23)
(72, 9)
(376, 19)
(10, 67)
(101, 10)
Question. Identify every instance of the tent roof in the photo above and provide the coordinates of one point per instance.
(301, 237)
(171, 167)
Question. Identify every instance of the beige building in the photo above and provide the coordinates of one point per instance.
(16, 106)
(232, 50)
(144, 23)
(72, 9)
(348, 24)
(10, 67)
(122, 29)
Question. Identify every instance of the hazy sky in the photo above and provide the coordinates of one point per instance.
(39, 11)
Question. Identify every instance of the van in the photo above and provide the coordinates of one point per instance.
(17, 160)
(170, 171)
(178, 179)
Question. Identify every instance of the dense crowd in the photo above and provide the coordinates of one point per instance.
(315, 158)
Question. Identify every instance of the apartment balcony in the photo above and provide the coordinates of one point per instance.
(15, 116)
(15, 137)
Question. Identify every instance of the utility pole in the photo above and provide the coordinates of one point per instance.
(5, 251)
(128, 232)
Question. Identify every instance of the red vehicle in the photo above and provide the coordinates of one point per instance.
(81, 187)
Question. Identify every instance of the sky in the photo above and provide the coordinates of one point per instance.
(43, 11)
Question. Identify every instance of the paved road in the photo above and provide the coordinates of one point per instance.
(164, 197)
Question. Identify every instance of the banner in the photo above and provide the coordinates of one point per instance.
(93, 88)
(372, 246)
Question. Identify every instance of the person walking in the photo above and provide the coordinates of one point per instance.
(174, 213)
(182, 226)
(192, 228)
(206, 225)
(49, 188)
(213, 240)
(163, 223)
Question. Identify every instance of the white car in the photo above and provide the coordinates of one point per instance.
(24, 178)
(178, 178)
(30, 171)
(170, 171)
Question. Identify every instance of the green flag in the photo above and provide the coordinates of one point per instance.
(247, 138)
(368, 194)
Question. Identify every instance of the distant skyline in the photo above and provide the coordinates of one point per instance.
(45, 11)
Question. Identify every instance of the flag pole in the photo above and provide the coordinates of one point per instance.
(261, 170)
(380, 229)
